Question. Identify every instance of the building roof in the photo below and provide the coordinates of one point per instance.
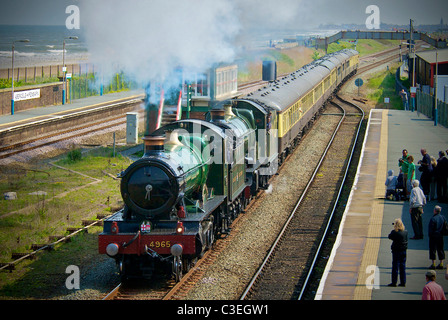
(430, 55)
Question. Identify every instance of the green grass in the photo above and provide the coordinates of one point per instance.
(5, 83)
(364, 47)
(45, 276)
(279, 57)
(382, 85)
(71, 197)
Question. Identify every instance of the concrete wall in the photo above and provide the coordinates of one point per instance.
(50, 94)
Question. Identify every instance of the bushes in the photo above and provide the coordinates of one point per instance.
(74, 155)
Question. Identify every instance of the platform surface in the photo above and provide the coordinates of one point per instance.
(40, 113)
(360, 265)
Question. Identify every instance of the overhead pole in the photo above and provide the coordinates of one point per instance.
(412, 48)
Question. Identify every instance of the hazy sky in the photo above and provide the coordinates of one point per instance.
(310, 13)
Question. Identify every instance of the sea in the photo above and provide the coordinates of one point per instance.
(45, 46)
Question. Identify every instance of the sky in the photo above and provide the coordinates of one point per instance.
(309, 13)
(150, 39)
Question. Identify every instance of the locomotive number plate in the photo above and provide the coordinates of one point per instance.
(160, 244)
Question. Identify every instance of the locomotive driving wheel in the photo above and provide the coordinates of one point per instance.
(177, 268)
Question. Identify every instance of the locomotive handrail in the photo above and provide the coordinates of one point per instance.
(125, 245)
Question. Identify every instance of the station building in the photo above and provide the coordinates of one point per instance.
(425, 71)
(217, 84)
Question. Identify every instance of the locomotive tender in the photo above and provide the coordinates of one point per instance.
(196, 176)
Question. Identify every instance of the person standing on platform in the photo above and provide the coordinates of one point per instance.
(399, 237)
(404, 167)
(432, 184)
(436, 238)
(404, 98)
(441, 176)
(411, 173)
(417, 201)
(426, 169)
(432, 290)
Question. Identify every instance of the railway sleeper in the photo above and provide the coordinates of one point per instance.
(7, 266)
(18, 255)
(37, 246)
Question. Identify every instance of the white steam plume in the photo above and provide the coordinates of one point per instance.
(148, 39)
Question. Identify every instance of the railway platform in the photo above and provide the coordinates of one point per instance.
(360, 265)
(59, 111)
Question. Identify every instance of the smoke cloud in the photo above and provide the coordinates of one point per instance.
(149, 39)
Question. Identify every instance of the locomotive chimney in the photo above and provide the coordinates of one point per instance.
(217, 114)
(153, 143)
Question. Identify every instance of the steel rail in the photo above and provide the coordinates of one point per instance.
(291, 216)
(50, 245)
(330, 220)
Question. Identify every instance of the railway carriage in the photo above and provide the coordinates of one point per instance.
(296, 100)
(197, 176)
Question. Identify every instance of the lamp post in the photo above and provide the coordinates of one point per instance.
(64, 68)
(12, 86)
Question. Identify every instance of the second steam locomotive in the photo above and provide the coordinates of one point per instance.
(196, 176)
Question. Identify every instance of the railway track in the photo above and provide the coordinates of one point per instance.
(280, 277)
(36, 143)
(168, 290)
(391, 54)
(36, 248)
(179, 291)
(163, 289)
(86, 128)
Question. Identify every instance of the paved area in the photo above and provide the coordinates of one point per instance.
(360, 267)
(35, 114)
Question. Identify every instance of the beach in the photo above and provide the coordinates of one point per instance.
(44, 48)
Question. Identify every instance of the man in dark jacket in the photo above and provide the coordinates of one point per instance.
(399, 236)
(436, 238)
(426, 169)
(441, 175)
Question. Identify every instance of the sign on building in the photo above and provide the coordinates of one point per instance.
(26, 95)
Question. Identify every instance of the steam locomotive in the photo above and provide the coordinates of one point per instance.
(196, 176)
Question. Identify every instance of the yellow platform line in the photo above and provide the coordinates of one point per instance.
(370, 255)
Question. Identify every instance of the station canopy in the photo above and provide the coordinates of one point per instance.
(430, 56)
